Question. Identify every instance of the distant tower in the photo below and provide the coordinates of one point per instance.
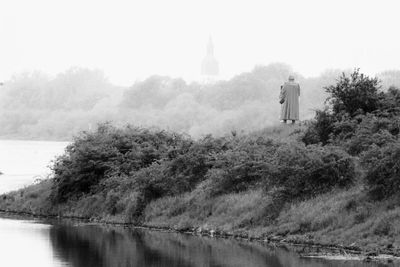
(209, 65)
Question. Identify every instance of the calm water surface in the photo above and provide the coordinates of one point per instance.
(41, 243)
(22, 162)
(61, 243)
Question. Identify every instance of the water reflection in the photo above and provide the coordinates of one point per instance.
(92, 245)
(26, 243)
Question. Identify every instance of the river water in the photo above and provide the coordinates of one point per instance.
(23, 162)
(67, 243)
(56, 243)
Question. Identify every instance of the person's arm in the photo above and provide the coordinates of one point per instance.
(282, 95)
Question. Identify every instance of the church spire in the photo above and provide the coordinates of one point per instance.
(209, 65)
(210, 47)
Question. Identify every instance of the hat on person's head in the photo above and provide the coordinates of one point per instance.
(291, 78)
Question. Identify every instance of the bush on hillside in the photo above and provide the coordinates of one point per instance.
(320, 129)
(293, 170)
(244, 165)
(181, 172)
(117, 162)
(108, 152)
(152, 163)
(190, 166)
(301, 172)
(360, 115)
(351, 96)
(354, 94)
(390, 101)
(383, 169)
(372, 130)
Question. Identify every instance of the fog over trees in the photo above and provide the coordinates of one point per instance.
(36, 106)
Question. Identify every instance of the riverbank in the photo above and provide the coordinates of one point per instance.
(305, 249)
(263, 186)
(33, 200)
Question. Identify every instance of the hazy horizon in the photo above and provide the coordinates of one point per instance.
(198, 79)
(67, 65)
(132, 40)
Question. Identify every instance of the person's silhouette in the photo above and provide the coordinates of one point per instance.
(289, 99)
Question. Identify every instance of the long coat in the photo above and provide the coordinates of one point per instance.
(290, 93)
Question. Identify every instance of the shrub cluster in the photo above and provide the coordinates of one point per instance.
(130, 167)
(382, 177)
(354, 94)
(109, 152)
(300, 172)
(366, 123)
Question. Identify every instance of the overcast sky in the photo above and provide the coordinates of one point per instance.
(130, 40)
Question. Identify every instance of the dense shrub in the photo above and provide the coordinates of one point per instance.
(243, 165)
(366, 123)
(320, 129)
(372, 130)
(390, 101)
(301, 172)
(152, 182)
(116, 162)
(180, 172)
(354, 94)
(108, 152)
(190, 166)
(359, 115)
(383, 169)
(112, 201)
(229, 164)
(153, 163)
(293, 170)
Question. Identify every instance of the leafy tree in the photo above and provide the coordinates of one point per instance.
(28, 90)
(156, 91)
(351, 101)
(354, 94)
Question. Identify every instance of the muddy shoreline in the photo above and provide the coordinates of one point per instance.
(304, 248)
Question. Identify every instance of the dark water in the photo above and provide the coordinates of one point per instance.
(39, 243)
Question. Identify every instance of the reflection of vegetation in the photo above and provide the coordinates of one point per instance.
(323, 181)
(82, 246)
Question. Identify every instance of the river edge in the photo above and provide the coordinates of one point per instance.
(305, 249)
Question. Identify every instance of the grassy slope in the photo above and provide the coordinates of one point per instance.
(341, 217)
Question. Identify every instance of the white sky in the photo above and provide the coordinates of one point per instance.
(132, 40)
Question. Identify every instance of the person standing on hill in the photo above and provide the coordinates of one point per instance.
(289, 99)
